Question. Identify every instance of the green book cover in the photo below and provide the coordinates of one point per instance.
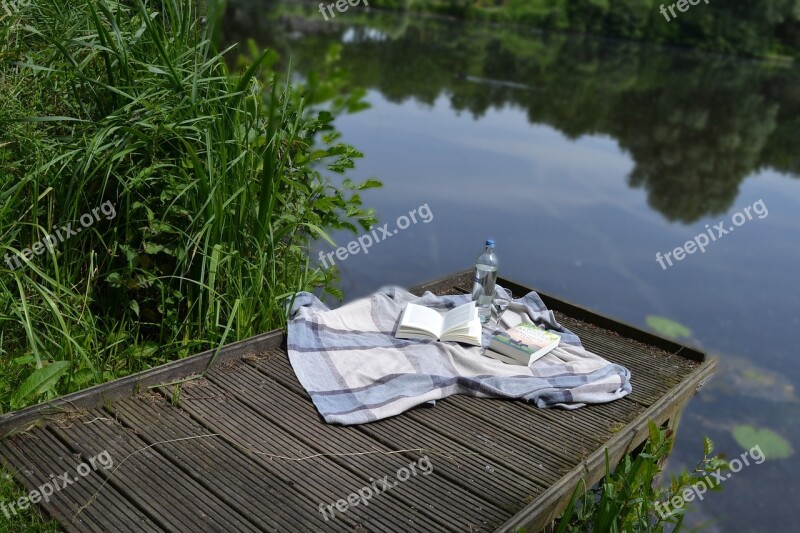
(524, 342)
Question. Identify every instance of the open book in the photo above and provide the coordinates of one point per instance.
(460, 324)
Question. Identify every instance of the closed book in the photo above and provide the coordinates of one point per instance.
(524, 343)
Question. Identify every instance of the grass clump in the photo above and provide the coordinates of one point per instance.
(216, 178)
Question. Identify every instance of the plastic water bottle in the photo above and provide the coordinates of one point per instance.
(483, 281)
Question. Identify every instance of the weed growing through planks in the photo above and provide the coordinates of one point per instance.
(175, 398)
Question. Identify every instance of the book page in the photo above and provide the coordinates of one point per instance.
(469, 334)
(459, 317)
(419, 317)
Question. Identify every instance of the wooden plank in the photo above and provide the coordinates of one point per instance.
(128, 386)
(459, 464)
(527, 459)
(435, 498)
(273, 462)
(267, 501)
(445, 284)
(508, 450)
(598, 419)
(36, 457)
(653, 371)
(569, 442)
(176, 501)
(546, 508)
(661, 362)
(296, 460)
(649, 382)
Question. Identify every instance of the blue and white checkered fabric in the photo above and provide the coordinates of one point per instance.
(356, 371)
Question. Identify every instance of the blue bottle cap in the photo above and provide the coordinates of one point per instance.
(490, 243)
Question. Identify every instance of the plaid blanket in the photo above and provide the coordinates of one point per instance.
(356, 371)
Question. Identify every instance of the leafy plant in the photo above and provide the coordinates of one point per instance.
(219, 179)
(42, 380)
(629, 500)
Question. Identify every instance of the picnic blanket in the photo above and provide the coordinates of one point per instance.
(356, 371)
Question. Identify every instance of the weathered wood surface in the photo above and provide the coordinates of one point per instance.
(243, 448)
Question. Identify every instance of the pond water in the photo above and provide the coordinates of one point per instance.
(584, 158)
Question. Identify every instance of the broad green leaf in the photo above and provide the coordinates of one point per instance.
(371, 183)
(22, 361)
(320, 232)
(82, 377)
(40, 381)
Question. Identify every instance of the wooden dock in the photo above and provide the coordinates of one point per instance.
(244, 449)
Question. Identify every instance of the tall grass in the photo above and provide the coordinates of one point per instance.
(216, 177)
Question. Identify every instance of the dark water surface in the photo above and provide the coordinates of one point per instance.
(583, 158)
